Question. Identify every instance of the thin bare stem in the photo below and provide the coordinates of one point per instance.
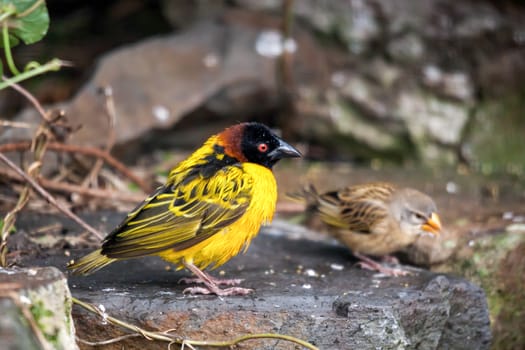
(91, 151)
(70, 188)
(112, 121)
(9, 123)
(9, 223)
(31, 99)
(109, 341)
(49, 197)
(38, 146)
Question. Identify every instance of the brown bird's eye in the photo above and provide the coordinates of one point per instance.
(419, 216)
(262, 147)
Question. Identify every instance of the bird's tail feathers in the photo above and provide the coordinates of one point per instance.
(90, 263)
(308, 195)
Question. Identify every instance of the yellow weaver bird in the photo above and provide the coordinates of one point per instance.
(210, 208)
(374, 219)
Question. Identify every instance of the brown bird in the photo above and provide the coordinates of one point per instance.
(375, 219)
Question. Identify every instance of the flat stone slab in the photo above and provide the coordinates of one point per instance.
(304, 288)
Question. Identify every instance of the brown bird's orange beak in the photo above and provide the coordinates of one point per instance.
(433, 224)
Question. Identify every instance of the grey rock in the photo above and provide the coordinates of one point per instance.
(35, 304)
(437, 316)
(308, 289)
(182, 14)
(260, 4)
(429, 118)
(494, 145)
(408, 48)
(354, 22)
(457, 85)
(384, 73)
(158, 81)
(406, 15)
(394, 80)
(476, 20)
(349, 121)
(14, 332)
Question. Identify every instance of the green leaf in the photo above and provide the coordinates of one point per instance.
(30, 22)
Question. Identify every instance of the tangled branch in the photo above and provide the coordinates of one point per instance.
(48, 197)
(75, 149)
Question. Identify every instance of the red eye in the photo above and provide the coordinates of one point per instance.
(262, 147)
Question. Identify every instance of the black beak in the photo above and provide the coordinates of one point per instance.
(284, 150)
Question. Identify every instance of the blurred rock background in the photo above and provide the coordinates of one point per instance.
(436, 82)
(436, 85)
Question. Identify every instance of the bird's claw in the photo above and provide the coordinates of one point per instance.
(219, 282)
(385, 270)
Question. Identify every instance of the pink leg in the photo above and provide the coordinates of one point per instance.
(370, 264)
(212, 284)
(390, 259)
(217, 281)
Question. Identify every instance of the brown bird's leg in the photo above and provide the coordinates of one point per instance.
(212, 287)
(390, 259)
(370, 264)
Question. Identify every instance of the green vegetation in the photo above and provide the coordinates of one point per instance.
(40, 314)
(24, 21)
(494, 263)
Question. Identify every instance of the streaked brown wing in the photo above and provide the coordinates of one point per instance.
(355, 208)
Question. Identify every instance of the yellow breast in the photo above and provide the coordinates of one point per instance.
(222, 246)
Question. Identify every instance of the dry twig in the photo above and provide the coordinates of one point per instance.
(12, 124)
(49, 197)
(38, 146)
(30, 98)
(75, 149)
(70, 188)
(109, 341)
(112, 121)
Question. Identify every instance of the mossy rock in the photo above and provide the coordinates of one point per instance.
(36, 307)
(495, 140)
(497, 263)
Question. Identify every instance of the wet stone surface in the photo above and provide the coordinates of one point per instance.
(307, 289)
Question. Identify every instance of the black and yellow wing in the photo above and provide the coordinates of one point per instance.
(181, 214)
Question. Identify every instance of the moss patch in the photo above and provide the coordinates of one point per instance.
(497, 263)
(40, 314)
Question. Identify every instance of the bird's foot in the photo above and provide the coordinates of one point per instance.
(390, 259)
(217, 291)
(217, 281)
(385, 270)
(370, 264)
(211, 284)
